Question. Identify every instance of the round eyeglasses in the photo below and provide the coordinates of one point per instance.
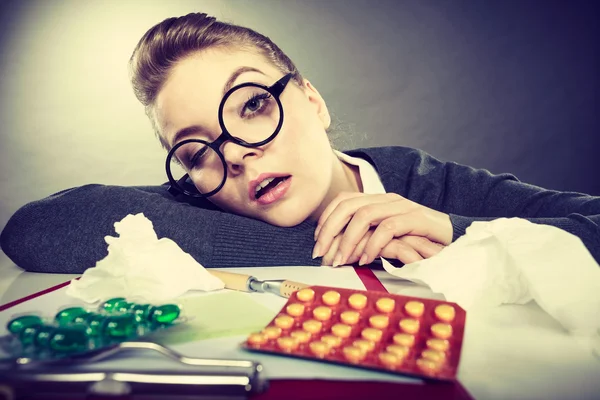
(250, 115)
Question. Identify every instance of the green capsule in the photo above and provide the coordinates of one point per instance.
(82, 318)
(120, 326)
(141, 312)
(68, 315)
(124, 307)
(16, 325)
(112, 305)
(165, 314)
(69, 339)
(42, 336)
(28, 334)
(94, 323)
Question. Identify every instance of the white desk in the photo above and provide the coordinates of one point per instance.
(511, 352)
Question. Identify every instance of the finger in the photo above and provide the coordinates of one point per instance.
(401, 251)
(331, 206)
(368, 216)
(388, 229)
(341, 214)
(330, 255)
(359, 249)
(425, 247)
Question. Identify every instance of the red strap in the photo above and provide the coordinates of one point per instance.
(369, 279)
(33, 296)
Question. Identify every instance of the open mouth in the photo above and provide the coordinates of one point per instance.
(269, 186)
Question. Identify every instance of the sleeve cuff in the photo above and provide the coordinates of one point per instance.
(460, 224)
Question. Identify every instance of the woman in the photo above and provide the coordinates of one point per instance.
(263, 185)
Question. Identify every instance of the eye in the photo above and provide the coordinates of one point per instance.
(255, 104)
(198, 157)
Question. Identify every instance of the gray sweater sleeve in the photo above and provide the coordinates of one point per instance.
(468, 194)
(64, 233)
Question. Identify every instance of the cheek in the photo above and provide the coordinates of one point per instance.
(228, 198)
(304, 130)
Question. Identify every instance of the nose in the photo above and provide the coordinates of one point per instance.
(237, 156)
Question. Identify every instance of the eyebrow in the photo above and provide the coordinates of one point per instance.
(195, 129)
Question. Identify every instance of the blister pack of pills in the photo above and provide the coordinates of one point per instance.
(76, 330)
(368, 329)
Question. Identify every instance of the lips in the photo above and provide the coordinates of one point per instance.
(274, 193)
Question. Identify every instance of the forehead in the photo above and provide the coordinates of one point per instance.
(194, 88)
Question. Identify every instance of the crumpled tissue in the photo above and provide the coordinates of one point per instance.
(141, 266)
(514, 261)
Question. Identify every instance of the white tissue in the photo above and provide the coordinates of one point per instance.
(514, 261)
(141, 266)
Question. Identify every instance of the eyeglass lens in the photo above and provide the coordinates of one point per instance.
(250, 114)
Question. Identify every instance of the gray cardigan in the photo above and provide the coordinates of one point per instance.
(64, 233)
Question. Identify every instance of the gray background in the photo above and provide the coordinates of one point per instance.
(511, 86)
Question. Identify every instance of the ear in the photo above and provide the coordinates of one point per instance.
(315, 99)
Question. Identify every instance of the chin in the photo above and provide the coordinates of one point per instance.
(286, 217)
(285, 222)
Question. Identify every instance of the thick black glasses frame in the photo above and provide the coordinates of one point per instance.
(178, 187)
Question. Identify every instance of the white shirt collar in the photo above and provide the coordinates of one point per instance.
(368, 175)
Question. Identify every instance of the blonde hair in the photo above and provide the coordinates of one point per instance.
(174, 38)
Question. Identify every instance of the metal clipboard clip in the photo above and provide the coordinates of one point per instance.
(206, 378)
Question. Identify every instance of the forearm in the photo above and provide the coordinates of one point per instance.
(587, 228)
(65, 233)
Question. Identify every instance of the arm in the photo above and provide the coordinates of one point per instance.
(469, 194)
(64, 233)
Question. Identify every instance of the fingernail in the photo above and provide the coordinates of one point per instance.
(363, 259)
(317, 232)
(338, 259)
(316, 251)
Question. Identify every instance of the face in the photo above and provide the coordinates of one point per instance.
(297, 166)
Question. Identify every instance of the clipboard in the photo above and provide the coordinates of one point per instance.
(290, 389)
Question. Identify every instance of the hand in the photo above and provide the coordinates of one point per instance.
(407, 249)
(353, 214)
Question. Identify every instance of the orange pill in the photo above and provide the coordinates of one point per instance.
(331, 340)
(301, 336)
(357, 301)
(445, 312)
(306, 294)
(365, 345)
(379, 321)
(385, 304)
(312, 326)
(272, 332)
(287, 343)
(434, 355)
(295, 309)
(414, 308)
(331, 297)
(438, 344)
(400, 351)
(354, 354)
(427, 365)
(284, 321)
(257, 338)
(341, 330)
(390, 360)
(404, 339)
(350, 317)
(319, 348)
(441, 330)
(409, 325)
(371, 334)
(322, 313)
